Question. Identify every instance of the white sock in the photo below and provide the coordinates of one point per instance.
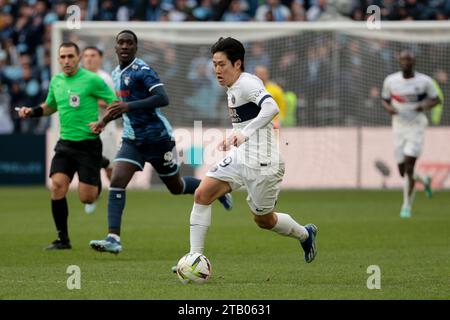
(406, 198)
(287, 226)
(114, 236)
(199, 223)
(412, 197)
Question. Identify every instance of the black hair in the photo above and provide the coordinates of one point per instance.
(129, 32)
(70, 44)
(232, 48)
(100, 52)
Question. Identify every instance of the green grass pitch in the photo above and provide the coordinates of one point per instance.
(357, 229)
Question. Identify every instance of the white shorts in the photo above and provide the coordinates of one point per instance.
(109, 141)
(408, 143)
(262, 184)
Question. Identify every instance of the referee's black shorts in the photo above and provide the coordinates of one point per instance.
(83, 157)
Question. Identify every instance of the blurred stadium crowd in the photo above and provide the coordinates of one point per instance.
(25, 37)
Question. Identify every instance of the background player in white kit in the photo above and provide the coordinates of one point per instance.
(406, 96)
(93, 61)
(254, 162)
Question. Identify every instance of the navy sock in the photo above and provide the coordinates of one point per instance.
(116, 204)
(60, 212)
(190, 184)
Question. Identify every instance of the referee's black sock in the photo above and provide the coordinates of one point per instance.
(60, 213)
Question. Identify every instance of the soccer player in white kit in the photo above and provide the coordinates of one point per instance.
(407, 94)
(93, 61)
(253, 161)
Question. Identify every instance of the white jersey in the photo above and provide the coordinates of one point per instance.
(107, 78)
(405, 96)
(109, 134)
(245, 97)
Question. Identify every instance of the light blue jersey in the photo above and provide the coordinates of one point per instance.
(136, 82)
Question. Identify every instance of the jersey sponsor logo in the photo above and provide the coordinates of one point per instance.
(225, 162)
(232, 112)
(135, 67)
(74, 100)
(409, 97)
(398, 98)
(122, 93)
(243, 113)
(168, 156)
(126, 80)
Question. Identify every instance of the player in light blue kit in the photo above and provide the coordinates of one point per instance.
(147, 136)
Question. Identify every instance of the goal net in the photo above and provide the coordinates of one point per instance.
(332, 73)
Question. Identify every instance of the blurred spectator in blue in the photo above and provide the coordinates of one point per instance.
(6, 26)
(410, 10)
(6, 124)
(46, 71)
(25, 91)
(3, 79)
(204, 12)
(180, 12)
(389, 10)
(257, 55)
(315, 11)
(171, 75)
(235, 12)
(27, 31)
(205, 90)
(286, 71)
(251, 6)
(126, 9)
(150, 10)
(107, 12)
(273, 10)
(8, 7)
(58, 13)
(298, 10)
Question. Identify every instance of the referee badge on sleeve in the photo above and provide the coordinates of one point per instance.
(74, 100)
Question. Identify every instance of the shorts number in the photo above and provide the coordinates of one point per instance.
(225, 162)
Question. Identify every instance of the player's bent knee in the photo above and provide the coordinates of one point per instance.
(203, 196)
(265, 222)
(88, 198)
(58, 189)
(409, 170)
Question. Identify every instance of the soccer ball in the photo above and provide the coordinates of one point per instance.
(193, 267)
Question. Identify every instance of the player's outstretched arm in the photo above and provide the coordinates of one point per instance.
(111, 113)
(35, 112)
(269, 109)
(157, 99)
